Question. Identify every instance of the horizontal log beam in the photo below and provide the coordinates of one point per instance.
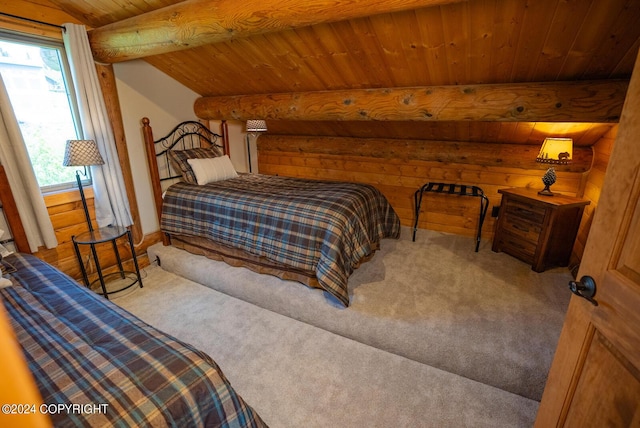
(521, 156)
(200, 22)
(586, 101)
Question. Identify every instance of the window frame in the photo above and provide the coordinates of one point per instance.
(49, 43)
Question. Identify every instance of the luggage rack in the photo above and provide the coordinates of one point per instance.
(452, 189)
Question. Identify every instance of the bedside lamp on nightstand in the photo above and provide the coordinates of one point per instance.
(82, 153)
(555, 151)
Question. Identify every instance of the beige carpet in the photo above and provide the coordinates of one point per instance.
(484, 316)
(297, 375)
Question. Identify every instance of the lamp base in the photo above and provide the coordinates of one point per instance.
(84, 201)
(249, 154)
(546, 191)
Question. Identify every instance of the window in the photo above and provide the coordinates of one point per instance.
(35, 74)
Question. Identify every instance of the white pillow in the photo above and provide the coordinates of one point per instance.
(209, 170)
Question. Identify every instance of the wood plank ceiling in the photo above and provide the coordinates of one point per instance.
(471, 42)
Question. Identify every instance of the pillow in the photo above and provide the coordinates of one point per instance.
(178, 159)
(212, 169)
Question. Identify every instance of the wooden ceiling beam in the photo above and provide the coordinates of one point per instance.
(201, 22)
(578, 101)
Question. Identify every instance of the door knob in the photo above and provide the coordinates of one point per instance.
(585, 288)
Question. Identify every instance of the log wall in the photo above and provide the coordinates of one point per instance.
(399, 167)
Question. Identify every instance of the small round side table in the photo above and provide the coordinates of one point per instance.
(99, 236)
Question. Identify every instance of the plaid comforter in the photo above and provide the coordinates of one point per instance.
(84, 350)
(324, 227)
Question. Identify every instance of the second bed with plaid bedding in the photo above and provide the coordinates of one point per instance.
(321, 226)
(84, 350)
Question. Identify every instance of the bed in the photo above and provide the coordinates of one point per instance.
(85, 350)
(311, 231)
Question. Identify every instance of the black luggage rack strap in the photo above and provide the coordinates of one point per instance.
(452, 189)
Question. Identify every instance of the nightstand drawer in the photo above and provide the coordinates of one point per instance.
(523, 228)
(526, 211)
(518, 247)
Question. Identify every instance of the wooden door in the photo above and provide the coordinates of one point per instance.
(595, 376)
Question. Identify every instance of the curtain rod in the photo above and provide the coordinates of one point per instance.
(32, 20)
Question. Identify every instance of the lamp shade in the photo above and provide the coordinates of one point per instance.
(82, 153)
(256, 125)
(556, 150)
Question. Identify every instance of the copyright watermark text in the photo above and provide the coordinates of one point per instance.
(54, 409)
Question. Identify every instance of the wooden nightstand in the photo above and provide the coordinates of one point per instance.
(539, 230)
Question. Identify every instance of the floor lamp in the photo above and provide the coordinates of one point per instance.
(254, 127)
(82, 153)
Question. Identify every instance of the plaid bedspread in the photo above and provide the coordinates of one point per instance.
(325, 227)
(84, 350)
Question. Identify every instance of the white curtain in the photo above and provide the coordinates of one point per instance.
(22, 180)
(111, 203)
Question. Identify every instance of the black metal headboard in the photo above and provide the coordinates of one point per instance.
(187, 135)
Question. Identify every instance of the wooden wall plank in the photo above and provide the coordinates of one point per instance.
(507, 31)
(433, 44)
(536, 21)
(481, 33)
(456, 23)
(625, 28)
(565, 25)
(394, 39)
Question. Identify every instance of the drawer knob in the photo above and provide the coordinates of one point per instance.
(585, 288)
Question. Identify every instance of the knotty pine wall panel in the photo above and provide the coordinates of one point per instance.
(397, 174)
